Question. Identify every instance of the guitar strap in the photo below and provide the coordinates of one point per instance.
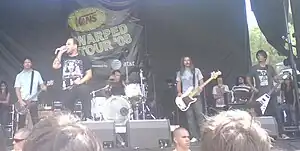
(194, 77)
(31, 82)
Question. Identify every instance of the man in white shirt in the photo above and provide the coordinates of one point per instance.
(181, 138)
(26, 87)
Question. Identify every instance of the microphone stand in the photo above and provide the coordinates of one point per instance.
(143, 93)
(145, 107)
(125, 64)
(291, 54)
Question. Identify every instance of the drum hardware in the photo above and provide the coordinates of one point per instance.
(145, 107)
(93, 93)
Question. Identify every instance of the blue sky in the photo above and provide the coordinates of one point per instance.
(250, 16)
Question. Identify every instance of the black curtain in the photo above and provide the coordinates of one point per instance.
(271, 20)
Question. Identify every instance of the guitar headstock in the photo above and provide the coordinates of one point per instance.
(215, 74)
(285, 75)
(49, 83)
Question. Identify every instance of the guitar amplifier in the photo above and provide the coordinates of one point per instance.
(104, 131)
(148, 134)
(269, 123)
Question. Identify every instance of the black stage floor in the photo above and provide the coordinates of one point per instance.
(279, 145)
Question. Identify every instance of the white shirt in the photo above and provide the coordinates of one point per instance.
(217, 90)
(23, 81)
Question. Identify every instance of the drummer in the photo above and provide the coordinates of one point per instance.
(116, 83)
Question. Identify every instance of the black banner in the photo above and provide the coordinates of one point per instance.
(110, 42)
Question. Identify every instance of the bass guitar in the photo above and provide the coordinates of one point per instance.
(23, 109)
(184, 101)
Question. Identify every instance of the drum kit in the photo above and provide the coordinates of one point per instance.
(121, 108)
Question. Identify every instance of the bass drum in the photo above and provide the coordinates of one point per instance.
(117, 109)
(97, 106)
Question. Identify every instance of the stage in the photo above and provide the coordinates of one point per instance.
(280, 145)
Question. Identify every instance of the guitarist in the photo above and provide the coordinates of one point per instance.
(189, 76)
(264, 76)
(27, 84)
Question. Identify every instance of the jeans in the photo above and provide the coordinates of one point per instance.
(81, 92)
(195, 118)
(33, 109)
(290, 115)
(4, 114)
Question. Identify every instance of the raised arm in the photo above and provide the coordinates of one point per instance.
(57, 61)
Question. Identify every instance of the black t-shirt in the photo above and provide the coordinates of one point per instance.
(117, 89)
(263, 77)
(73, 68)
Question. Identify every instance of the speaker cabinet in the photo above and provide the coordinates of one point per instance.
(269, 123)
(148, 133)
(104, 130)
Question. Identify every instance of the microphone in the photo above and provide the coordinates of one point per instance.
(107, 86)
(57, 50)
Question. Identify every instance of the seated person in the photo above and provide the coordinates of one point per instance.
(116, 83)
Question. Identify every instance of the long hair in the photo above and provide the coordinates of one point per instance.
(6, 87)
(182, 67)
(284, 85)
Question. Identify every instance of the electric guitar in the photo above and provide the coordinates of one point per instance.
(23, 109)
(265, 98)
(187, 98)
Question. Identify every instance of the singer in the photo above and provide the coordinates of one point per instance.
(76, 71)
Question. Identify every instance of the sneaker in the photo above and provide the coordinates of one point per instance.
(283, 136)
(193, 140)
(88, 119)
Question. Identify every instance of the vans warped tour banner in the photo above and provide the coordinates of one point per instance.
(110, 38)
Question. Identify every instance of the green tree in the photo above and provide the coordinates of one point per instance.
(257, 42)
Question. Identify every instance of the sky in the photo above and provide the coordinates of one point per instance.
(250, 15)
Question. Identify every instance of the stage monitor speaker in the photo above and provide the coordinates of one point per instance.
(148, 134)
(104, 130)
(269, 123)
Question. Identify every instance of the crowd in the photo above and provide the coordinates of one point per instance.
(233, 130)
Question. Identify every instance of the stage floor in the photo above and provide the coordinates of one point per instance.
(280, 145)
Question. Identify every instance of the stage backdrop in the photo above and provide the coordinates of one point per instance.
(125, 32)
(108, 34)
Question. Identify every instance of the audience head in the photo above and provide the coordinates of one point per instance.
(181, 138)
(240, 80)
(61, 132)
(19, 138)
(234, 130)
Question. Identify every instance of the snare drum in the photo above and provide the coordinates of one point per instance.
(133, 90)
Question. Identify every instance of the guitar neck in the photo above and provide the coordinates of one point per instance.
(197, 89)
(274, 88)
